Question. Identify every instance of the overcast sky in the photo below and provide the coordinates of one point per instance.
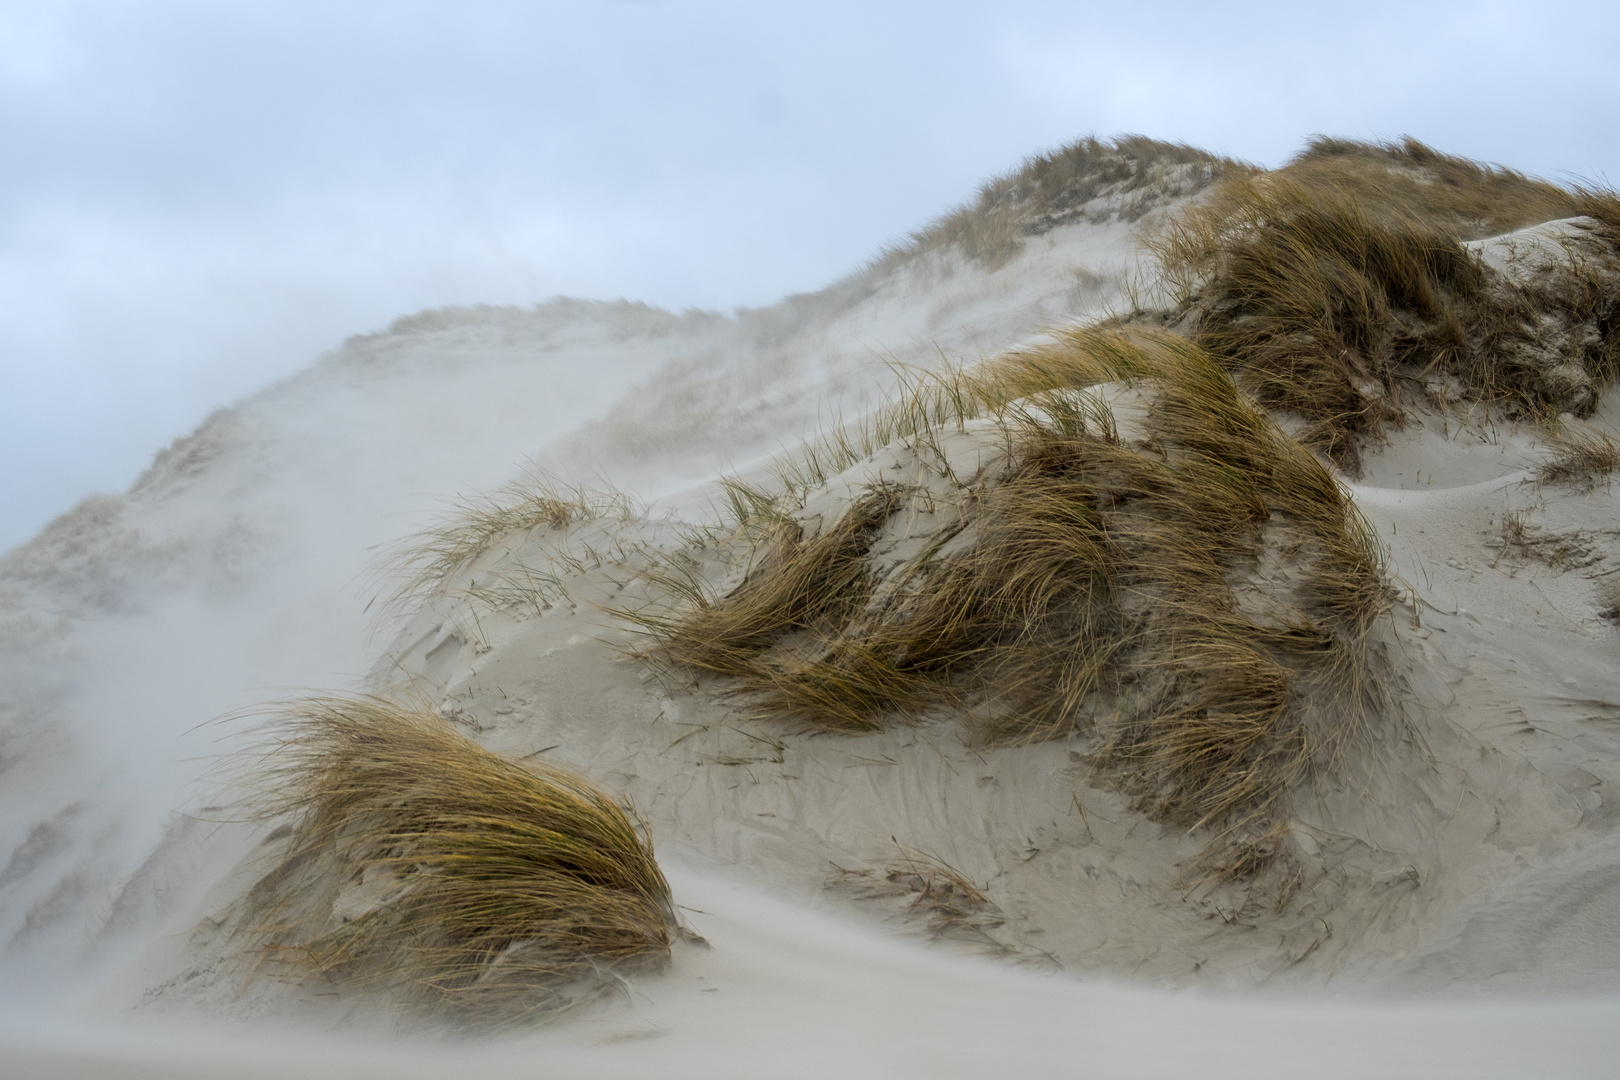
(199, 197)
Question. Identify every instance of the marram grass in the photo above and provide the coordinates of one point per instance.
(484, 891)
(1338, 284)
(1199, 597)
(1091, 587)
(472, 526)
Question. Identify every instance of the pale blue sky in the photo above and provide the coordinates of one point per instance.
(197, 198)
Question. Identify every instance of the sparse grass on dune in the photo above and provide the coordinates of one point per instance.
(1332, 284)
(944, 899)
(471, 527)
(1089, 587)
(1196, 593)
(1052, 188)
(1174, 580)
(481, 890)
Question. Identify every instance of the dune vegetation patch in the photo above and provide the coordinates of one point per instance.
(1345, 283)
(1581, 461)
(1091, 179)
(1101, 536)
(470, 527)
(470, 887)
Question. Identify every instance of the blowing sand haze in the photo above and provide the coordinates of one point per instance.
(1161, 616)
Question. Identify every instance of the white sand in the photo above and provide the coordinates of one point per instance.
(1468, 854)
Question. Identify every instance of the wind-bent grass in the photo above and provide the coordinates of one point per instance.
(470, 528)
(946, 900)
(1397, 181)
(1090, 586)
(1330, 282)
(485, 891)
(800, 585)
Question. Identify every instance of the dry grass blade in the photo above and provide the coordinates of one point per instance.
(483, 890)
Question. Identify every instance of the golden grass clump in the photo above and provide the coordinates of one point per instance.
(479, 889)
(1333, 283)
(801, 585)
(1097, 584)
(1395, 182)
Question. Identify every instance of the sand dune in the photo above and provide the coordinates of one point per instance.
(903, 901)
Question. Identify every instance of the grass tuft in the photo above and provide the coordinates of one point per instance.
(1334, 283)
(480, 890)
(945, 900)
(1581, 461)
(1395, 181)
